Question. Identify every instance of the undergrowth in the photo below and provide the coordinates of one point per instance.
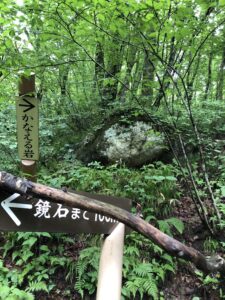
(31, 262)
(37, 265)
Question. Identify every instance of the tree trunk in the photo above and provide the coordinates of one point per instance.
(166, 80)
(209, 79)
(130, 60)
(63, 79)
(99, 67)
(169, 244)
(147, 80)
(107, 68)
(191, 75)
(220, 81)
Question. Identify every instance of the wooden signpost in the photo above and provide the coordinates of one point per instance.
(18, 213)
(28, 126)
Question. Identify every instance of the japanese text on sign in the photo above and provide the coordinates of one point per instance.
(17, 213)
(43, 210)
(27, 127)
(28, 146)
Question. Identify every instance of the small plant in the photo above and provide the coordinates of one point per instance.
(145, 267)
(211, 245)
(33, 263)
(9, 279)
(212, 282)
(87, 270)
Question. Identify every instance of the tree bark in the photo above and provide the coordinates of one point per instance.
(147, 80)
(99, 66)
(191, 76)
(169, 244)
(209, 78)
(130, 59)
(63, 79)
(220, 80)
(166, 76)
(107, 81)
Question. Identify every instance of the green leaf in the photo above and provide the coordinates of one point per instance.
(4, 292)
(30, 242)
(223, 191)
(178, 224)
(170, 178)
(164, 226)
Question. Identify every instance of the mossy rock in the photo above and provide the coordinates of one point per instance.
(131, 140)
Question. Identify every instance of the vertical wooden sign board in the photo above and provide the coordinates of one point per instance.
(27, 126)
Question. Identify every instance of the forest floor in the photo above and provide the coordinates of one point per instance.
(186, 284)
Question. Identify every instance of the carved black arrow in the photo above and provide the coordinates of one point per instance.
(28, 104)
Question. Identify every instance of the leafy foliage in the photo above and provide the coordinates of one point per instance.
(32, 265)
(145, 268)
(35, 263)
(87, 270)
(92, 58)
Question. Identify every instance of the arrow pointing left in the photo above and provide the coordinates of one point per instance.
(7, 204)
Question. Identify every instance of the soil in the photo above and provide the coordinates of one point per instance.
(186, 284)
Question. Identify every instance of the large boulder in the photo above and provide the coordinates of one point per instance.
(133, 143)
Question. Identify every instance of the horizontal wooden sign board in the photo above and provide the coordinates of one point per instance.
(39, 215)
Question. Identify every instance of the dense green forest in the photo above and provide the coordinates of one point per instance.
(98, 64)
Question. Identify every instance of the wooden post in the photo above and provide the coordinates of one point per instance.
(27, 87)
(29, 169)
(110, 268)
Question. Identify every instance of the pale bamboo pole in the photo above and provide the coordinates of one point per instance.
(110, 267)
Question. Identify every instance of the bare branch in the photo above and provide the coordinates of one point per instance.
(169, 244)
